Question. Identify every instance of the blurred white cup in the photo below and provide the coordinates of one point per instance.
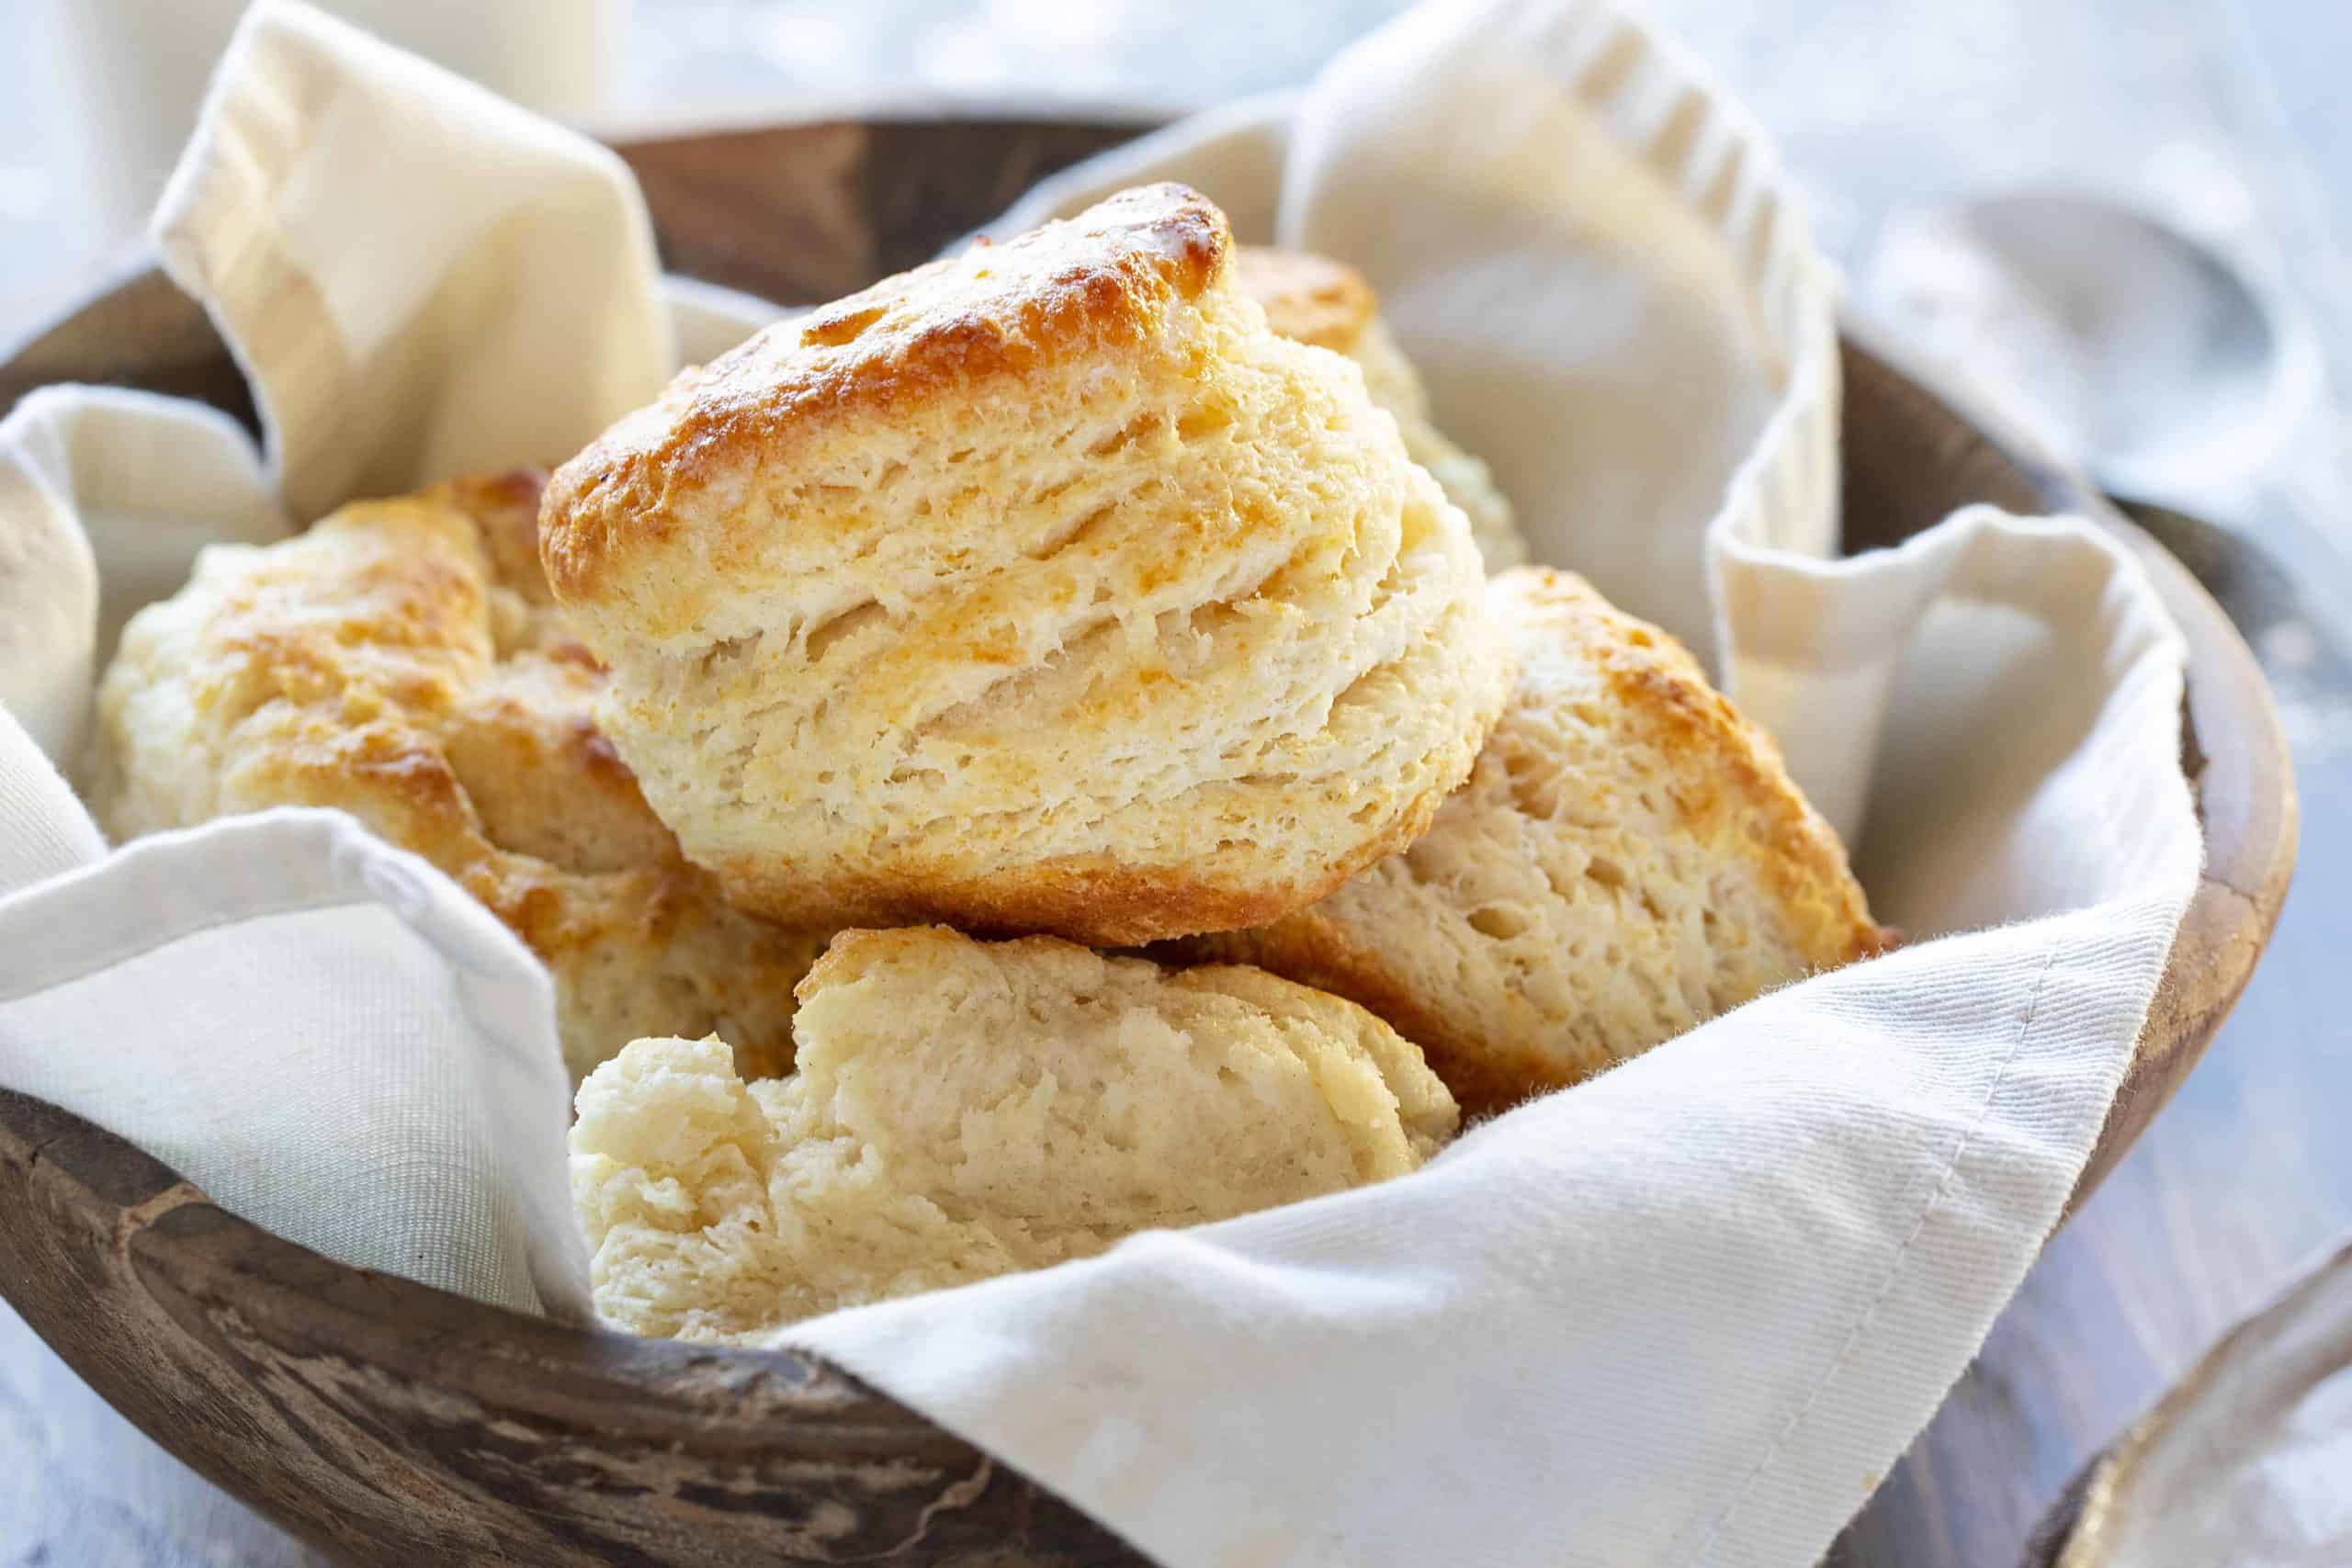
(129, 74)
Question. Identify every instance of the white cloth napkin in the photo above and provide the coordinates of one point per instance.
(1688, 1313)
(398, 257)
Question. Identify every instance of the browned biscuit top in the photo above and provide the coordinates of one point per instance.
(401, 660)
(1307, 298)
(1629, 858)
(1064, 298)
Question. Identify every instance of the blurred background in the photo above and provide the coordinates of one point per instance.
(2130, 222)
(2192, 373)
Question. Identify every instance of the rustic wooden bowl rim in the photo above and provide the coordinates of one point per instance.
(87, 1220)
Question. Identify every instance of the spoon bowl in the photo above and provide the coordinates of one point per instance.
(2144, 352)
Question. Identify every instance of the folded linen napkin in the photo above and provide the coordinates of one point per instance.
(1686, 1313)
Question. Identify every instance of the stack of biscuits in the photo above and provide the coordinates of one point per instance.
(1026, 753)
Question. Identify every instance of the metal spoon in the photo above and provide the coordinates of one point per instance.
(2148, 354)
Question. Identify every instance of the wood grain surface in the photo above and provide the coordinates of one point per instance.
(380, 1420)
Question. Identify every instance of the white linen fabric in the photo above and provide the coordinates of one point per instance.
(1687, 1312)
(284, 1008)
(86, 468)
(1691, 1311)
(399, 258)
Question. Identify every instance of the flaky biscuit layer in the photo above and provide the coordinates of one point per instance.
(1040, 589)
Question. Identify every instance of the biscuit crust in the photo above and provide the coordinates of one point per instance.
(1308, 297)
(965, 1109)
(1317, 301)
(1629, 859)
(403, 661)
(617, 520)
(1041, 589)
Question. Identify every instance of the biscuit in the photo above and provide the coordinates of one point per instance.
(1629, 859)
(1041, 589)
(403, 661)
(1317, 301)
(964, 1109)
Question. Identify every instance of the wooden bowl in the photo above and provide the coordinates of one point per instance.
(389, 1423)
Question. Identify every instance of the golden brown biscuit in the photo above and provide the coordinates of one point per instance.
(1040, 589)
(1307, 297)
(401, 662)
(1629, 859)
(1328, 303)
(965, 1109)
